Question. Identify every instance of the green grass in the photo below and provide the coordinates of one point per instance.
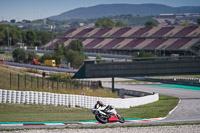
(36, 113)
(69, 87)
(40, 113)
(154, 110)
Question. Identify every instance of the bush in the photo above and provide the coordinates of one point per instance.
(150, 23)
(144, 54)
(19, 55)
(75, 58)
(60, 77)
(2, 52)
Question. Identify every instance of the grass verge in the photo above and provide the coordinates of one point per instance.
(40, 113)
(45, 85)
(157, 109)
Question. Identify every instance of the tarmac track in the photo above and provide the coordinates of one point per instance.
(55, 69)
(188, 110)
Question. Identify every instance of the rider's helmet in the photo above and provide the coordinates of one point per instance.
(100, 103)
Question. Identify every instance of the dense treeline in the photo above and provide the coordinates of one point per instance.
(105, 22)
(12, 35)
(73, 54)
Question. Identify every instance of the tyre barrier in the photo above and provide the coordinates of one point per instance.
(46, 98)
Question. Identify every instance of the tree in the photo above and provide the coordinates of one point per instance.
(119, 24)
(184, 24)
(15, 35)
(98, 57)
(3, 34)
(150, 23)
(30, 37)
(74, 53)
(76, 45)
(75, 58)
(58, 53)
(19, 55)
(102, 22)
(12, 34)
(46, 56)
(31, 55)
(144, 54)
(198, 21)
(37, 43)
(43, 36)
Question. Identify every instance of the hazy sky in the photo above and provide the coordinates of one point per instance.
(35, 9)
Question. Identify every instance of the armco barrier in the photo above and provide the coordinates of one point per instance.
(45, 98)
(179, 81)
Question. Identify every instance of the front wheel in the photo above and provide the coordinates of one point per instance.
(121, 119)
(101, 118)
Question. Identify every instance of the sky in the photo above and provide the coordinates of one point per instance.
(37, 9)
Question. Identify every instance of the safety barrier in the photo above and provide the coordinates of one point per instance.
(180, 81)
(45, 98)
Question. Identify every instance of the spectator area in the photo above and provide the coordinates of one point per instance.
(132, 38)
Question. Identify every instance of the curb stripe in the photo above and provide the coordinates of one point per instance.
(71, 123)
(34, 124)
(179, 102)
(5, 125)
(54, 124)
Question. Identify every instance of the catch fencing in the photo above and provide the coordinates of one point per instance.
(45, 98)
(29, 82)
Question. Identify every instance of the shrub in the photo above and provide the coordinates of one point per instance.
(60, 77)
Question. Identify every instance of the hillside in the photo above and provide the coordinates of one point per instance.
(118, 9)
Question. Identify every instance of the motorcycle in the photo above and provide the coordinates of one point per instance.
(105, 115)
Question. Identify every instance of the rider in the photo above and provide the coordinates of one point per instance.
(104, 108)
(109, 110)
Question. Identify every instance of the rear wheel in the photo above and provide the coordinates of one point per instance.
(101, 118)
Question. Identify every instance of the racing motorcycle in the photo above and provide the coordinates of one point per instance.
(108, 114)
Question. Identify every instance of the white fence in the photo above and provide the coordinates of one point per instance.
(45, 98)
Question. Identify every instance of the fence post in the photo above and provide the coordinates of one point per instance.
(18, 81)
(43, 82)
(81, 84)
(92, 84)
(57, 85)
(66, 84)
(47, 83)
(31, 81)
(52, 84)
(37, 82)
(73, 82)
(10, 80)
(70, 82)
(85, 84)
(89, 83)
(25, 81)
(77, 84)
